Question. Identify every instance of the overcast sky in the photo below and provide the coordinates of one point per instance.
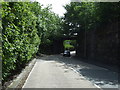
(57, 5)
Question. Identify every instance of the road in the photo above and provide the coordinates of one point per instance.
(56, 71)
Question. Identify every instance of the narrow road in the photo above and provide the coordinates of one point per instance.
(56, 71)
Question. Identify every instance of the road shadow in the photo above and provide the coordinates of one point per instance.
(98, 75)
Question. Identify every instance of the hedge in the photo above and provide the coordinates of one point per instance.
(19, 36)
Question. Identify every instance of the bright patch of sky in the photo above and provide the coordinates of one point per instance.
(57, 5)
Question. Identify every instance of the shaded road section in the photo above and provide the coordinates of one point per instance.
(56, 71)
(53, 74)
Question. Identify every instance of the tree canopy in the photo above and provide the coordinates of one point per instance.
(89, 15)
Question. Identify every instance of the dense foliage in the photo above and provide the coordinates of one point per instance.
(97, 25)
(26, 25)
(89, 15)
(27, 28)
(20, 39)
(48, 25)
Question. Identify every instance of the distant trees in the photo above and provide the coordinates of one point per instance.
(49, 26)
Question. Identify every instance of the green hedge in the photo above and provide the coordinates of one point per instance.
(26, 27)
(19, 36)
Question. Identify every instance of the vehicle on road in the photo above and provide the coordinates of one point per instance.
(66, 53)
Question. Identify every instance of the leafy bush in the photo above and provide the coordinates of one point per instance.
(20, 39)
(26, 27)
(48, 26)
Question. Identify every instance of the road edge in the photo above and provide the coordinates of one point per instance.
(19, 81)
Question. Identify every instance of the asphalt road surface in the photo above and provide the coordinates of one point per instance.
(56, 71)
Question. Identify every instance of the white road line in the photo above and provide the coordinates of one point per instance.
(98, 87)
(29, 74)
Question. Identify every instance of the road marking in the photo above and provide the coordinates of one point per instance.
(29, 75)
(98, 87)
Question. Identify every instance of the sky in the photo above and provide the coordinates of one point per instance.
(57, 5)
